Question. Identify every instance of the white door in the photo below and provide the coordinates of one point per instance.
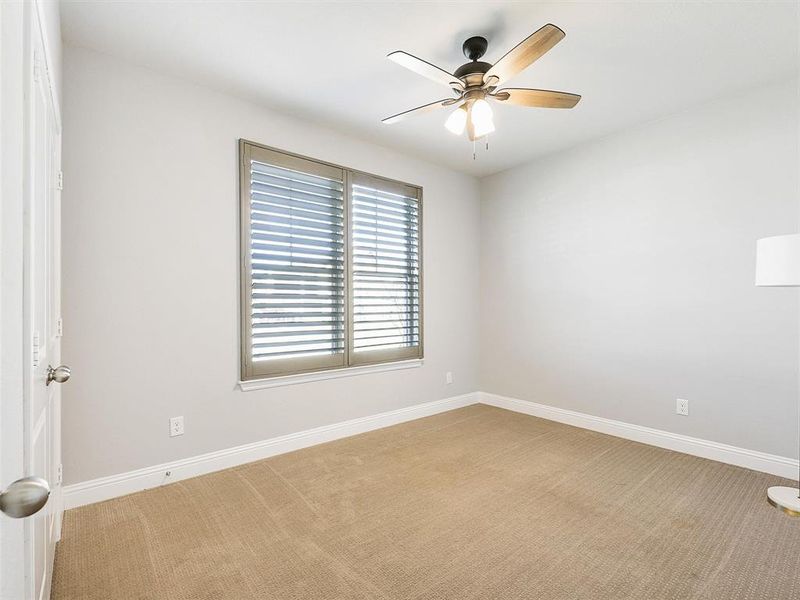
(42, 301)
(27, 570)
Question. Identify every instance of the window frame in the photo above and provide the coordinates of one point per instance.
(286, 367)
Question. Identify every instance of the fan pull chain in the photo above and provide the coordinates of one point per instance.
(473, 150)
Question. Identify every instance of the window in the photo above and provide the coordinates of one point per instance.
(330, 266)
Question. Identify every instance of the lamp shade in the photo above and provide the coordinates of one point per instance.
(778, 261)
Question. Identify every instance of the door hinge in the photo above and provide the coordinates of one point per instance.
(36, 348)
(37, 67)
(61, 180)
(60, 327)
(59, 474)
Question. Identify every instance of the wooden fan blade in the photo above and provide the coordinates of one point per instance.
(417, 111)
(426, 69)
(525, 53)
(537, 98)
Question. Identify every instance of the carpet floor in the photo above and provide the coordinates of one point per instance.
(475, 503)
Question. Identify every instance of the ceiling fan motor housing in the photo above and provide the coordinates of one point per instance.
(472, 68)
(474, 48)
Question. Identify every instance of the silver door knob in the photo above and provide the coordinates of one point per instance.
(59, 374)
(24, 497)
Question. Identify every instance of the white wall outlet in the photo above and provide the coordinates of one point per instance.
(175, 426)
(448, 377)
(682, 407)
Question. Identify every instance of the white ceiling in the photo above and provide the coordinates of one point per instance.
(325, 61)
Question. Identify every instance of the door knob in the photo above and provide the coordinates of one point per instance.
(24, 497)
(59, 374)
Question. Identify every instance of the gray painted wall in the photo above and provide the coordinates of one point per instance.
(618, 276)
(150, 267)
(614, 277)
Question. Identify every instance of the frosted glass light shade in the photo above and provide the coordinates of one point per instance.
(482, 118)
(778, 260)
(457, 121)
(484, 128)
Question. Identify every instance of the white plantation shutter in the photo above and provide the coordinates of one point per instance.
(296, 264)
(385, 271)
(330, 266)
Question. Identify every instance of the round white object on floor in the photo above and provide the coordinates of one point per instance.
(785, 498)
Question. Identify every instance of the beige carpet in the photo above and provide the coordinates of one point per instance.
(477, 503)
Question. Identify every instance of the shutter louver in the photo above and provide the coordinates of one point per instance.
(385, 268)
(297, 245)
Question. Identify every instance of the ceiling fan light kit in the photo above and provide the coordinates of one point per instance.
(475, 82)
(457, 121)
(481, 117)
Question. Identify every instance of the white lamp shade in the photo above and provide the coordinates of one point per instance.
(778, 261)
(482, 119)
(457, 121)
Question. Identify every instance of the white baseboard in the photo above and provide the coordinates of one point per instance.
(105, 488)
(741, 457)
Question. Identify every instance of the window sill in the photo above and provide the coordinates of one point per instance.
(261, 384)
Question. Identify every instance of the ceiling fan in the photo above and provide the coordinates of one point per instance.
(476, 81)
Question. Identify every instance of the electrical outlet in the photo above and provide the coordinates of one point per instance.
(448, 377)
(682, 407)
(175, 426)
